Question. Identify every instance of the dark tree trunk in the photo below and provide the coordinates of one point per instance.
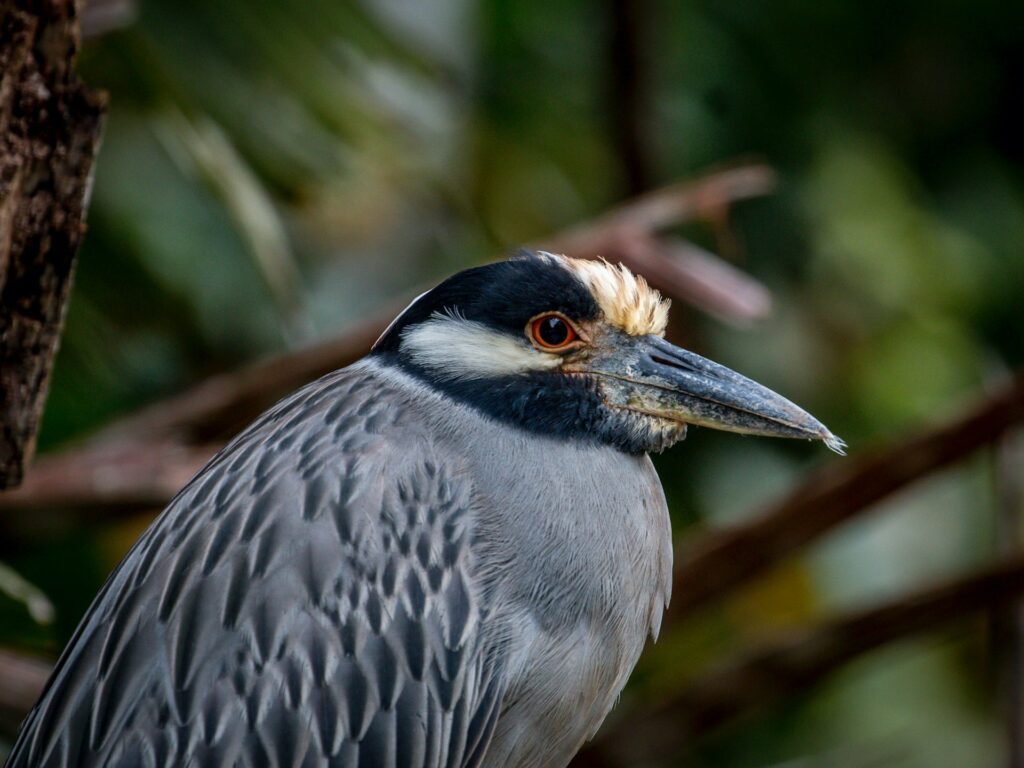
(50, 127)
(628, 91)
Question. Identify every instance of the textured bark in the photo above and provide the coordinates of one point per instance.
(50, 127)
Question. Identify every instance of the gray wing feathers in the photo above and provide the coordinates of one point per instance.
(309, 599)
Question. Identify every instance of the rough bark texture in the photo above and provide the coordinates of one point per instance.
(50, 127)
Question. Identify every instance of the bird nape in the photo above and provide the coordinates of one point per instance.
(447, 554)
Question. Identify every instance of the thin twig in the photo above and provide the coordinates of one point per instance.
(666, 207)
(795, 661)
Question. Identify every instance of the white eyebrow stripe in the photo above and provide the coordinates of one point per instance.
(456, 348)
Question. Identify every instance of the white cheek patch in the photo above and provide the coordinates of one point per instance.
(456, 348)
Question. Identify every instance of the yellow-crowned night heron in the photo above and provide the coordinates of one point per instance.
(447, 554)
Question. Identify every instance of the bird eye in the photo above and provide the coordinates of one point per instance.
(552, 332)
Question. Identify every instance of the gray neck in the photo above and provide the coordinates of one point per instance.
(548, 496)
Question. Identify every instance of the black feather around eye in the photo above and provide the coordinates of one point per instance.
(503, 296)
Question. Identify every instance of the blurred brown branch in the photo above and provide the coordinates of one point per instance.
(108, 479)
(717, 562)
(794, 661)
(665, 207)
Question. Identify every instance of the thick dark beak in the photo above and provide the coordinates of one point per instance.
(661, 379)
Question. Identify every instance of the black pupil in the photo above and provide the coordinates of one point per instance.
(553, 331)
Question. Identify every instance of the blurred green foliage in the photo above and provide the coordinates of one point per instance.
(272, 171)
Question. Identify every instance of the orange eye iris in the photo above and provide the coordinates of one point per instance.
(552, 332)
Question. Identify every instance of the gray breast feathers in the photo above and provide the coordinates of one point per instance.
(309, 599)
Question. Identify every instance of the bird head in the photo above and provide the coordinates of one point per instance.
(574, 349)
